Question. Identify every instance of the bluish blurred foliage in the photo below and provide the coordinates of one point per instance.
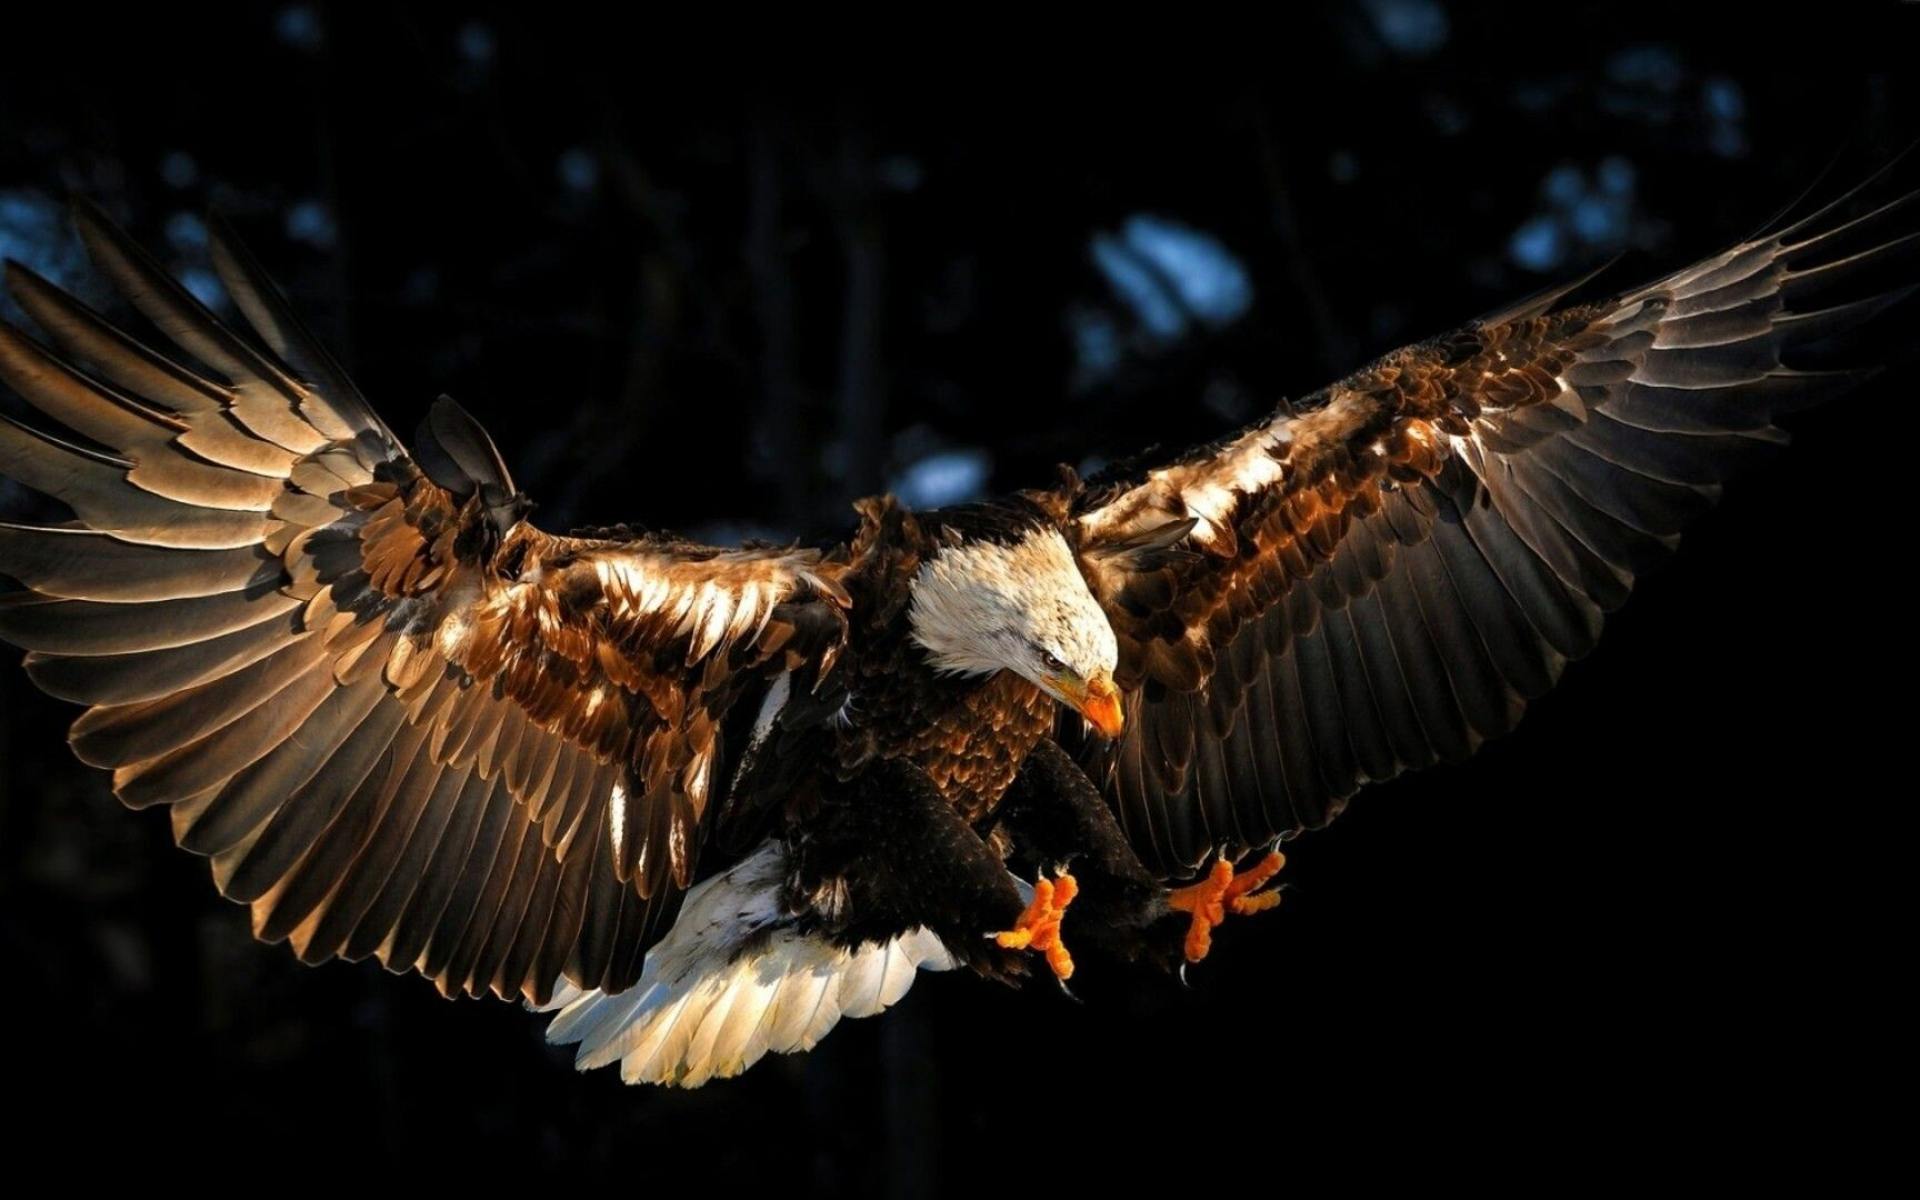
(33, 231)
(944, 477)
(178, 170)
(1148, 292)
(1170, 275)
(579, 170)
(729, 306)
(1646, 83)
(477, 43)
(301, 27)
(311, 222)
(1098, 345)
(1726, 109)
(1583, 214)
(1412, 28)
(1167, 283)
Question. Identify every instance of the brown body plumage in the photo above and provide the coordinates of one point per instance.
(969, 735)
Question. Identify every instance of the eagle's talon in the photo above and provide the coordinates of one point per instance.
(1038, 928)
(1223, 892)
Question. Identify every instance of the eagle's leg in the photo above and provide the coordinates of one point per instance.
(1038, 928)
(885, 854)
(1224, 891)
(1055, 820)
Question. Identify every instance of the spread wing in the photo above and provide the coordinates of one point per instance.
(1384, 575)
(401, 721)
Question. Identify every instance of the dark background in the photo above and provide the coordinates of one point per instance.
(1653, 936)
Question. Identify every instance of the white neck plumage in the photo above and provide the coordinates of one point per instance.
(982, 606)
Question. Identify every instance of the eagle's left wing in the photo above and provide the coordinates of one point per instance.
(400, 720)
(1382, 576)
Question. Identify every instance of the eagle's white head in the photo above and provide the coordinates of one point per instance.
(983, 606)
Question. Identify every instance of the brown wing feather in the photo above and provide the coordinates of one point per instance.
(400, 721)
(1381, 577)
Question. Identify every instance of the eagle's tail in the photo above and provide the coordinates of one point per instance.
(734, 979)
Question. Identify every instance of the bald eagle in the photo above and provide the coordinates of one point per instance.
(702, 802)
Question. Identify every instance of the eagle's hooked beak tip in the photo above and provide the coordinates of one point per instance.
(1102, 707)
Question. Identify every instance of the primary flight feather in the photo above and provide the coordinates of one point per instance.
(705, 802)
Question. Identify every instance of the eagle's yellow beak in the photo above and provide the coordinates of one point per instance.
(1100, 705)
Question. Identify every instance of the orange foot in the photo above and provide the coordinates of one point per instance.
(1223, 892)
(1039, 927)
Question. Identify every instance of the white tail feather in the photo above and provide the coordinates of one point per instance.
(732, 980)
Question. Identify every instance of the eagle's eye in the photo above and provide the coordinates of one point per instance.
(1051, 661)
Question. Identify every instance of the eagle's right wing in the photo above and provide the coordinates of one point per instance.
(1382, 577)
(400, 720)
